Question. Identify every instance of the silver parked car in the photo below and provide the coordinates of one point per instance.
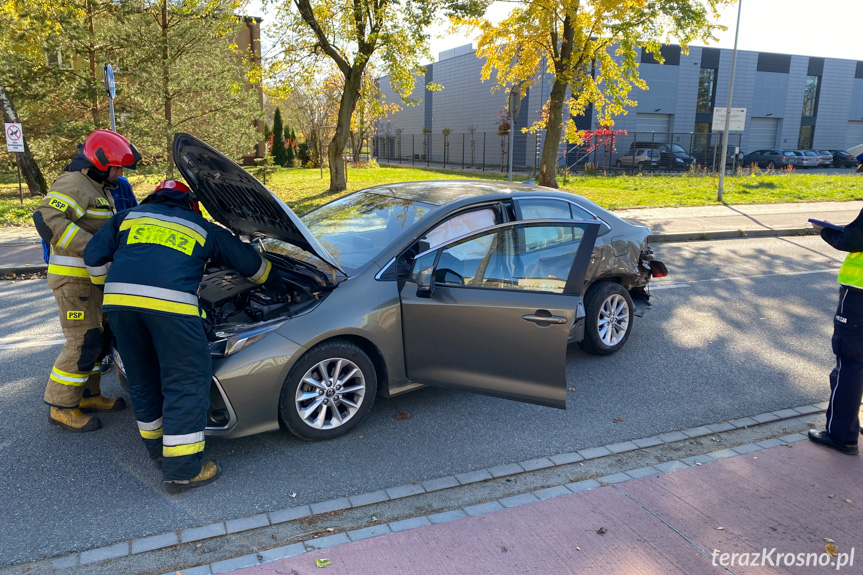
(807, 159)
(641, 158)
(825, 158)
(469, 285)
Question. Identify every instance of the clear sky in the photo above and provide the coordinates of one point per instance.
(808, 27)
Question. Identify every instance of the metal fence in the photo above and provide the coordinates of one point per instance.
(616, 152)
(484, 151)
(488, 151)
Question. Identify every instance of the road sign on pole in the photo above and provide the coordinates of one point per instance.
(14, 138)
(110, 88)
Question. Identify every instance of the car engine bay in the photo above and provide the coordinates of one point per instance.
(228, 298)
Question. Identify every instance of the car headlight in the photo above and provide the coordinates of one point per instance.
(231, 340)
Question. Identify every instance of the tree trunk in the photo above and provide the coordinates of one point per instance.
(32, 174)
(336, 147)
(91, 58)
(166, 93)
(553, 130)
(563, 63)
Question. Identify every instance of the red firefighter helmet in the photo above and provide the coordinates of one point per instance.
(180, 187)
(105, 148)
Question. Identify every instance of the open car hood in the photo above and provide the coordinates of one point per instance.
(237, 200)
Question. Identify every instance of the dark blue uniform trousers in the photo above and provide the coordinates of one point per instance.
(169, 371)
(846, 379)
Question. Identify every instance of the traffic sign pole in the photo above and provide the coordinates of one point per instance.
(18, 165)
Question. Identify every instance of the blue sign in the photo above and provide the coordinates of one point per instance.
(108, 75)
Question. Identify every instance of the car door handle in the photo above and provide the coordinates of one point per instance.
(544, 318)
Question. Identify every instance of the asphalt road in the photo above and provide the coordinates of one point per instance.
(740, 327)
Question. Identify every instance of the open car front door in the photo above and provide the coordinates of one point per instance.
(491, 312)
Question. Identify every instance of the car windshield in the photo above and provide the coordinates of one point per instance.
(677, 149)
(354, 229)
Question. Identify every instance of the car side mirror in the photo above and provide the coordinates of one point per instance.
(425, 282)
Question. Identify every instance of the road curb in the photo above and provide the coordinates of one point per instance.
(27, 269)
(305, 512)
(730, 234)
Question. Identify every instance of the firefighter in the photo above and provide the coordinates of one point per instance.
(157, 254)
(78, 203)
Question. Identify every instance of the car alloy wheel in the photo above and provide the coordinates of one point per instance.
(328, 391)
(608, 308)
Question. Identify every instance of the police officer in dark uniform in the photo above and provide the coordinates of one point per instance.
(846, 379)
(157, 253)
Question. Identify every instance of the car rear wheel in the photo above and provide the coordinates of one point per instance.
(608, 309)
(619, 164)
(771, 164)
(640, 166)
(328, 391)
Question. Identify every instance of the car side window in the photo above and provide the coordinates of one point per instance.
(532, 257)
(460, 225)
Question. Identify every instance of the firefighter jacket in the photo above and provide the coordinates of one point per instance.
(74, 209)
(848, 240)
(151, 258)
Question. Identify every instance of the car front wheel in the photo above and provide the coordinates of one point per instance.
(328, 391)
(608, 309)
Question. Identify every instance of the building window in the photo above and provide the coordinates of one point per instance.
(702, 135)
(706, 90)
(810, 96)
(804, 142)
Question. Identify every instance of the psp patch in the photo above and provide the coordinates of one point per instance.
(75, 315)
(102, 201)
(58, 204)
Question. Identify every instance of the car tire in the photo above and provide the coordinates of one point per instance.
(608, 318)
(619, 164)
(314, 404)
(640, 166)
(771, 164)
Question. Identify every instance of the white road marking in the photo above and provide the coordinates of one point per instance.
(32, 343)
(655, 286)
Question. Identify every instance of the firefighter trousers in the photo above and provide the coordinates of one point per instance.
(76, 370)
(846, 379)
(169, 371)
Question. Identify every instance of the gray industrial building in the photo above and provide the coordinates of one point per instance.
(791, 102)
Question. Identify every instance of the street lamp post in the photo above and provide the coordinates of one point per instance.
(722, 160)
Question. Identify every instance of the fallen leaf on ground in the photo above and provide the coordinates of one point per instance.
(847, 501)
(403, 415)
(720, 528)
(571, 389)
(198, 545)
(828, 540)
(618, 419)
(323, 562)
(602, 531)
(832, 495)
(362, 436)
(503, 548)
(330, 529)
(578, 548)
(292, 495)
(831, 550)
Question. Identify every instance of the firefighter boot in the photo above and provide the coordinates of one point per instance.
(74, 420)
(210, 471)
(101, 403)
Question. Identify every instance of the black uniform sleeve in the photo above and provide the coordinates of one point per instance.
(230, 251)
(848, 240)
(99, 251)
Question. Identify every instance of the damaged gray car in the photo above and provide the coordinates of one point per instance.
(469, 285)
